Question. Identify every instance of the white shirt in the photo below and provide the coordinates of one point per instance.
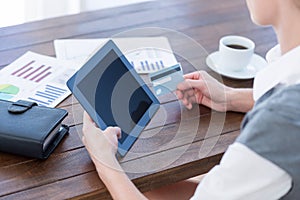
(234, 177)
(284, 70)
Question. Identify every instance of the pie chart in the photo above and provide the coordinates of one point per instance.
(8, 91)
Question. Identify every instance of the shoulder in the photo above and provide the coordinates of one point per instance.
(278, 104)
(284, 99)
(274, 122)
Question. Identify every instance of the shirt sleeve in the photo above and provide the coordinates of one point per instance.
(243, 174)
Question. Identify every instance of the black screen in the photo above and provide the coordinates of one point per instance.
(115, 94)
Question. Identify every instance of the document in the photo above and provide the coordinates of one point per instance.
(38, 78)
(146, 54)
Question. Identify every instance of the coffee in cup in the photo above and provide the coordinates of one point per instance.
(235, 52)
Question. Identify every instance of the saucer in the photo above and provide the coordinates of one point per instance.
(256, 64)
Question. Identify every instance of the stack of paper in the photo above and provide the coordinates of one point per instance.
(37, 78)
(147, 54)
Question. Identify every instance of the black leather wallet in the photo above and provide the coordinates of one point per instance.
(30, 130)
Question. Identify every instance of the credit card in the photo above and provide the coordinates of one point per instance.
(166, 80)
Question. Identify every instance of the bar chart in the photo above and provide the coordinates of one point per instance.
(33, 72)
(146, 66)
(47, 95)
(148, 60)
(37, 78)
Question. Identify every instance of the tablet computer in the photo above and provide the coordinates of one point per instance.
(113, 94)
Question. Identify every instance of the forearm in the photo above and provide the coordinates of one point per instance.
(240, 100)
(117, 182)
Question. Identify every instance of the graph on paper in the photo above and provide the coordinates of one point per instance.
(37, 78)
(150, 60)
(145, 66)
(146, 54)
(47, 95)
(8, 91)
(33, 72)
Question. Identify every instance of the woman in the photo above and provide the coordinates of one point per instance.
(264, 161)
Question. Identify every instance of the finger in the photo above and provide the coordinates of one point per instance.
(119, 133)
(114, 131)
(87, 120)
(87, 117)
(183, 86)
(185, 102)
(185, 96)
(190, 84)
(193, 75)
(190, 100)
(188, 93)
(83, 140)
(204, 75)
(193, 99)
(198, 75)
(179, 94)
(189, 106)
(86, 123)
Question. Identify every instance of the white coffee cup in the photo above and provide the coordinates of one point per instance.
(235, 52)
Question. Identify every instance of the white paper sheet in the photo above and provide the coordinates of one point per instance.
(37, 78)
(147, 54)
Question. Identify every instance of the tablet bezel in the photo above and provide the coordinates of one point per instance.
(73, 82)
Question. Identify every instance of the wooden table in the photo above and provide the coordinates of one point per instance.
(69, 172)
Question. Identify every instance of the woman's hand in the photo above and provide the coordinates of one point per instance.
(101, 145)
(199, 87)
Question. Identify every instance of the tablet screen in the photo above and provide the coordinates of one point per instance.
(115, 94)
